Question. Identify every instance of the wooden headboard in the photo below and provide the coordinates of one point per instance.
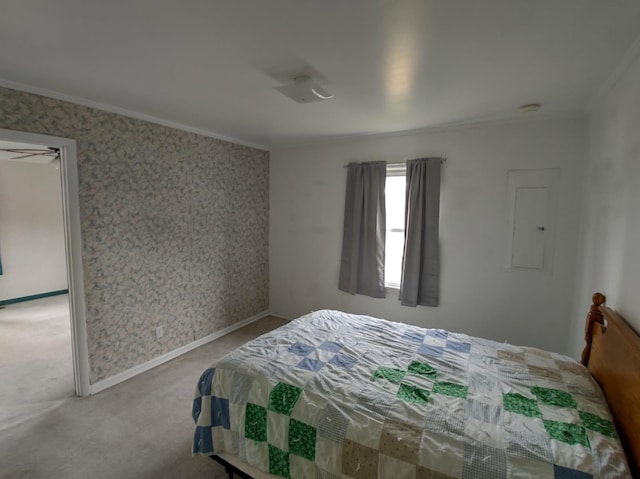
(612, 355)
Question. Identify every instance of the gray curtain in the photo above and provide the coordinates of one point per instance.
(362, 260)
(420, 260)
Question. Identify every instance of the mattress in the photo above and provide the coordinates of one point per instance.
(333, 394)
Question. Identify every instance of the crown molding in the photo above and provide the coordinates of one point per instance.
(445, 127)
(630, 56)
(124, 112)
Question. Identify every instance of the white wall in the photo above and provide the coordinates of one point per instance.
(478, 296)
(609, 253)
(31, 230)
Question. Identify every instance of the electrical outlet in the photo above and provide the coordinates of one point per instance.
(159, 332)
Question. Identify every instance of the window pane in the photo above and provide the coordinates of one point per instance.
(393, 258)
(395, 196)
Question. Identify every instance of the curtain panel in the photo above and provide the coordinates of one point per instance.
(421, 256)
(363, 241)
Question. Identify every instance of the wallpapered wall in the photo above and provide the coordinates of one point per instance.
(174, 228)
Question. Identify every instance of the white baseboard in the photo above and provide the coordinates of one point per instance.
(157, 361)
(282, 316)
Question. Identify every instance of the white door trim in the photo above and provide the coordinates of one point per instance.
(73, 247)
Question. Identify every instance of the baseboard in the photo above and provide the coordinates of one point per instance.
(282, 316)
(22, 299)
(134, 371)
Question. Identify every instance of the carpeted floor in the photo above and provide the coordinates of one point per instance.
(141, 428)
(35, 355)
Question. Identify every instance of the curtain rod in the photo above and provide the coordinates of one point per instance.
(442, 160)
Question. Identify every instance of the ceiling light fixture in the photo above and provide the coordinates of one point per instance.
(304, 89)
(529, 108)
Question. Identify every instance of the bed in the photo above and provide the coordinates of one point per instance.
(334, 395)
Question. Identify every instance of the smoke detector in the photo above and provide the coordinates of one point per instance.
(304, 89)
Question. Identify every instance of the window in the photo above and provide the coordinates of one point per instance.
(395, 190)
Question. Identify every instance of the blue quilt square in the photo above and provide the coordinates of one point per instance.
(202, 440)
(412, 336)
(458, 346)
(438, 333)
(301, 349)
(311, 364)
(220, 412)
(204, 384)
(331, 346)
(343, 361)
(429, 350)
(560, 472)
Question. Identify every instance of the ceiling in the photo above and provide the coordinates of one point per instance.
(393, 65)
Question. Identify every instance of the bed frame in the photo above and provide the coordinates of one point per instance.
(612, 356)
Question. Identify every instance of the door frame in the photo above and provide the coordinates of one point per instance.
(73, 247)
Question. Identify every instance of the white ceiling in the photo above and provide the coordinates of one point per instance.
(393, 65)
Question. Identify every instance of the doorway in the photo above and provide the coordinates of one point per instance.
(64, 153)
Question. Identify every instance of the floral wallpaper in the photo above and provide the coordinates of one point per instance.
(174, 228)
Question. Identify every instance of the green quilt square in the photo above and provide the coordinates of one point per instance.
(423, 369)
(278, 462)
(597, 424)
(413, 394)
(283, 398)
(514, 402)
(392, 375)
(255, 422)
(450, 389)
(302, 440)
(554, 397)
(566, 432)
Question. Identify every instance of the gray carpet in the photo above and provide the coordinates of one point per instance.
(141, 428)
(35, 355)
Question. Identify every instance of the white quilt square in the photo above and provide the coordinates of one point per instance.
(453, 405)
(222, 383)
(300, 467)
(608, 457)
(298, 377)
(259, 392)
(517, 422)
(521, 468)
(205, 412)
(237, 415)
(225, 440)
(329, 455)
(424, 382)
(322, 355)
(257, 454)
(309, 408)
(278, 430)
(409, 413)
(484, 433)
(395, 468)
(586, 404)
(441, 453)
(364, 429)
(559, 414)
(572, 456)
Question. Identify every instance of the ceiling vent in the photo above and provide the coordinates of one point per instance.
(304, 89)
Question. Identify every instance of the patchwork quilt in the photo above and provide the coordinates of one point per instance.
(336, 395)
